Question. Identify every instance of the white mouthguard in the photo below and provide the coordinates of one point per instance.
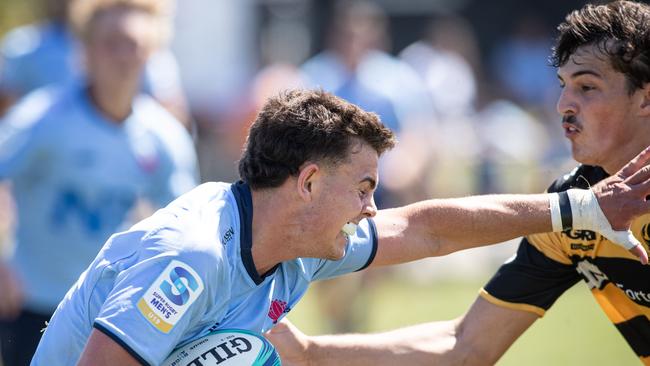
(349, 228)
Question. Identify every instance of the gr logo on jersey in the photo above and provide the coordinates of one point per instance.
(170, 295)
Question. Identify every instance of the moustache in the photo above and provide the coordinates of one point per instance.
(569, 119)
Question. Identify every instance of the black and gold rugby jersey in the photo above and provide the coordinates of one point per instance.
(548, 264)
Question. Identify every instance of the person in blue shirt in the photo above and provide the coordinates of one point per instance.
(242, 255)
(80, 158)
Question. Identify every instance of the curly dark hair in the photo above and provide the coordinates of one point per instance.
(306, 125)
(620, 30)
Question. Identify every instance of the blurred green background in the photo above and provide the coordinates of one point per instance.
(574, 332)
(17, 12)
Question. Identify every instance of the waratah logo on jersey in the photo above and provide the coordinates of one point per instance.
(277, 308)
(170, 295)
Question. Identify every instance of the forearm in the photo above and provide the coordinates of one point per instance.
(441, 226)
(481, 220)
(479, 337)
(424, 344)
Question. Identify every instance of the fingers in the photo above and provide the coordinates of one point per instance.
(642, 159)
(626, 239)
(640, 176)
(640, 252)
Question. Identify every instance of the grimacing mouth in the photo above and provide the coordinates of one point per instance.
(349, 229)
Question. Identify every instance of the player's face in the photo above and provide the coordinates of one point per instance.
(599, 116)
(119, 43)
(345, 195)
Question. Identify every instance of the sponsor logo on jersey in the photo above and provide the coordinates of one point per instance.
(594, 277)
(170, 295)
(277, 308)
(227, 236)
(635, 295)
(586, 235)
(583, 247)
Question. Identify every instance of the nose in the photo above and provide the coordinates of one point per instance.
(369, 208)
(566, 104)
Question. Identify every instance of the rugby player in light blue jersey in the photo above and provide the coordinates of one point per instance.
(79, 159)
(242, 255)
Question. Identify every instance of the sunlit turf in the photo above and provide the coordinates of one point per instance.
(574, 332)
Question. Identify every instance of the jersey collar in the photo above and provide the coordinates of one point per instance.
(244, 199)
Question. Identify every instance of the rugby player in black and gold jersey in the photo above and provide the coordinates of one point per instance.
(603, 60)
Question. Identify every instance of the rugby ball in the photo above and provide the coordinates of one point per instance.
(226, 347)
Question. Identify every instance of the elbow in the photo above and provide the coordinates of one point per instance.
(467, 352)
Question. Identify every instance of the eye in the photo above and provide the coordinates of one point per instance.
(586, 88)
(362, 193)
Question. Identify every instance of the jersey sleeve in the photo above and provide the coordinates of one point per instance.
(156, 302)
(359, 253)
(22, 135)
(534, 278)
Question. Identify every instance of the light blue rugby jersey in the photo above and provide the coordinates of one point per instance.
(76, 176)
(183, 272)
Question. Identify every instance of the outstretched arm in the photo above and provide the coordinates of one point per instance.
(439, 227)
(455, 342)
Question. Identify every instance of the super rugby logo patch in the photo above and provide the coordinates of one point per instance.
(170, 295)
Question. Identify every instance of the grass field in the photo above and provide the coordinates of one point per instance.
(574, 332)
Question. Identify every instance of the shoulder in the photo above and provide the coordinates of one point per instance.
(22, 41)
(193, 222)
(583, 176)
(156, 120)
(41, 104)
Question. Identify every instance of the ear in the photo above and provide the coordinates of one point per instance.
(306, 178)
(645, 101)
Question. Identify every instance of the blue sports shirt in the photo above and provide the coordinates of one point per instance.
(185, 271)
(76, 177)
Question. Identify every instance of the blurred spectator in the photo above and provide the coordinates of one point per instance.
(520, 65)
(513, 143)
(80, 157)
(445, 59)
(226, 141)
(355, 66)
(40, 54)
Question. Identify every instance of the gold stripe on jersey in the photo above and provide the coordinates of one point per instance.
(550, 245)
(511, 305)
(645, 360)
(617, 305)
(610, 250)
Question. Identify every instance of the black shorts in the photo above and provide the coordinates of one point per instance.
(19, 338)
